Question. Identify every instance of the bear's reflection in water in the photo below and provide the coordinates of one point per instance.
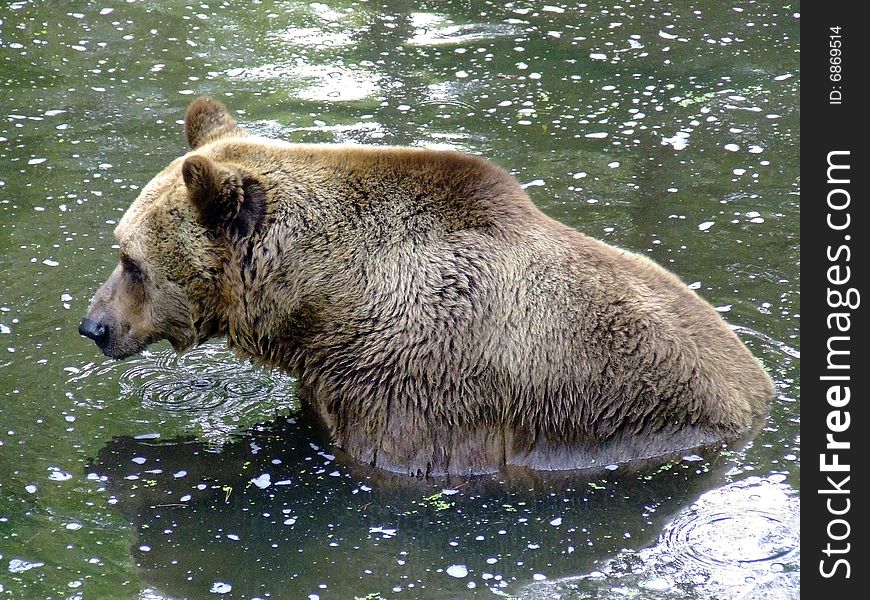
(275, 514)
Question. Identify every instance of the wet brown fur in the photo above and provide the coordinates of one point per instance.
(437, 320)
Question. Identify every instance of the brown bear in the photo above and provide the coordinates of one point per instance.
(438, 322)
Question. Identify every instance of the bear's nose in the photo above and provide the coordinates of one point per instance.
(93, 330)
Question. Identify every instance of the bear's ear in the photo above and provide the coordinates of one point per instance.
(207, 120)
(225, 200)
(215, 191)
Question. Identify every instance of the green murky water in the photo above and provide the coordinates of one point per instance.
(670, 127)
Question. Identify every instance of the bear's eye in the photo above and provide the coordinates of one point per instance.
(131, 268)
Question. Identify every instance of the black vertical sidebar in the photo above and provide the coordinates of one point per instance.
(835, 365)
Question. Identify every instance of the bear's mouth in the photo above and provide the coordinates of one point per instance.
(121, 352)
(106, 337)
(116, 354)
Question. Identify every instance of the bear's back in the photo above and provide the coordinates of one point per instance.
(400, 184)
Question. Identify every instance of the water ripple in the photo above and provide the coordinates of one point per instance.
(767, 340)
(739, 541)
(733, 528)
(438, 34)
(208, 384)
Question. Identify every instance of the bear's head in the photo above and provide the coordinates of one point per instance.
(174, 241)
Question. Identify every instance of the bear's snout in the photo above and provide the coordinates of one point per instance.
(94, 330)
